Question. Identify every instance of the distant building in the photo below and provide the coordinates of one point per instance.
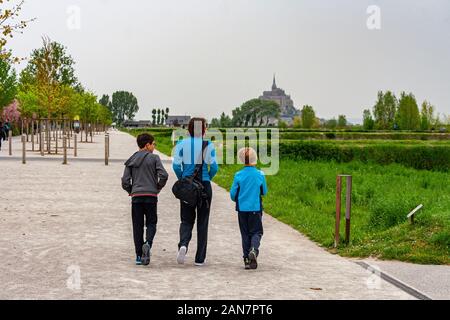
(178, 121)
(278, 95)
(137, 124)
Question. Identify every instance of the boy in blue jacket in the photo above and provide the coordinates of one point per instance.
(248, 187)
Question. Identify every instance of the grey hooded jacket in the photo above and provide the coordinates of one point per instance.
(144, 174)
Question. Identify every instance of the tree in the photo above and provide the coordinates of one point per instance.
(308, 117)
(11, 113)
(427, 116)
(55, 61)
(154, 117)
(255, 112)
(385, 110)
(123, 105)
(331, 124)
(282, 124)
(8, 83)
(105, 101)
(225, 121)
(215, 123)
(158, 121)
(368, 122)
(297, 122)
(167, 114)
(29, 103)
(9, 26)
(342, 121)
(408, 117)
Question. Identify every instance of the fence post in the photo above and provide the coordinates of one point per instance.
(24, 149)
(106, 149)
(338, 210)
(65, 149)
(10, 142)
(348, 209)
(75, 151)
(56, 138)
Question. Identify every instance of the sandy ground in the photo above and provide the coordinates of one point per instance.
(65, 233)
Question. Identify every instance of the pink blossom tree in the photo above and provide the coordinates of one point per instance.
(11, 112)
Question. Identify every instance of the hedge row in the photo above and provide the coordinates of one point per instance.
(363, 136)
(415, 156)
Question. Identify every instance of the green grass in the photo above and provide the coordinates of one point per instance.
(162, 137)
(382, 196)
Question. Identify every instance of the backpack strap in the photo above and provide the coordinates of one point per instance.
(198, 167)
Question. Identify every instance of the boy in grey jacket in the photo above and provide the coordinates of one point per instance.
(143, 179)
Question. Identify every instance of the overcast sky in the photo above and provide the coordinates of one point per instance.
(202, 57)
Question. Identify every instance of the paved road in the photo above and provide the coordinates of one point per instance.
(431, 280)
(61, 223)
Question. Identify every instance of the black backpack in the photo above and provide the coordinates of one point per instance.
(190, 190)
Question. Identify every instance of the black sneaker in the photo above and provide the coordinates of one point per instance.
(146, 254)
(247, 263)
(252, 256)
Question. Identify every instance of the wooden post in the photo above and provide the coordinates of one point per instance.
(348, 209)
(338, 210)
(106, 149)
(24, 149)
(32, 135)
(75, 141)
(65, 149)
(56, 137)
(10, 142)
(47, 127)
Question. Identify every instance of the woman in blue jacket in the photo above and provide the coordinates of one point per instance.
(188, 153)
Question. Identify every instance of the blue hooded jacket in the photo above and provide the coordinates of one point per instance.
(248, 187)
(188, 155)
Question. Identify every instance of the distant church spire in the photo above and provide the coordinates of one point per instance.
(274, 85)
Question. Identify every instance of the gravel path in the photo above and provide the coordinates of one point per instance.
(60, 224)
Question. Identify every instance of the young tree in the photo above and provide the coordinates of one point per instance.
(408, 117)
(11, 113)
(427, 116)
(385, 110)
(368, 122)
(342, 121)
(297, 122)
(55, 61)
(159, 117)
(308, 117)
(8, 83)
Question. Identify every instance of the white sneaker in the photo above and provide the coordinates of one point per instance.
(181, 255)
(199, 264)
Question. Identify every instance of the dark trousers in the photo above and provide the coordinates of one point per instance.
(138, 212)
(250, 224)
(188, 216)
